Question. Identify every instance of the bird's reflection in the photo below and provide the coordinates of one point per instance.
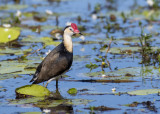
(62, 108)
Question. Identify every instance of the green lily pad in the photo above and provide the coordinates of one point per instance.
(72, 91)
(7, 50)
(32, 90)
(16, 67)
(144, 92)
(26, 100)
(8, 34)
(127, 73)
(127, 50)
(12, 7)
(8, 76)
(45, 40)
(30, 14)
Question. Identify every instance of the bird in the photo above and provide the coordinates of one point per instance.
(59, 60)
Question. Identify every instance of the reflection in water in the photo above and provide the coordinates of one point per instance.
(59, 109)
(52, 106)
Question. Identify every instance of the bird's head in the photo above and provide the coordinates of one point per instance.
(71, 30)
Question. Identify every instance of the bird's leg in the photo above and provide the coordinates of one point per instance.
(56, 83)
(46, 84)
(49, 82)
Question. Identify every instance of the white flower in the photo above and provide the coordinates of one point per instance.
(82, 37)
(49, 12)
(9, 36)
(18, 13)
(46, 110)
(94, 16)
(113, 89)
(48, 52)
(150, 2)
(103, 75)
(68, 23)
(37, 30)
(58, 36)
(6, 25)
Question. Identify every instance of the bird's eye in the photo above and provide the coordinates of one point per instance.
(70, 29)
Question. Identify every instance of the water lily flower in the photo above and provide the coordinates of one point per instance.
(18, 13)
(103, 75)
(46, 110)
(68, 23)
(82, 37)
(94, 16)
(58, 36)
(49, 12)
(150, 2)
(6, 25)
(113, 89)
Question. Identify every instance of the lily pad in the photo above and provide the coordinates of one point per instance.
(72, 91)
(126, 50)
(12, 7)
(8, 34)
(14, 51)
(32, 90)
(45, 40)
(144, 92)
(127, 73)
(16, 67)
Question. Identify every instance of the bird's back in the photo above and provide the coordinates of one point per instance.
(58, 61)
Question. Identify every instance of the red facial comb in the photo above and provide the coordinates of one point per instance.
(74, 26)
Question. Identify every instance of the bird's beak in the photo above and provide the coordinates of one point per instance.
(80, 33)
(77, 32)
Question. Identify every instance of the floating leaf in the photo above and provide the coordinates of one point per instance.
(12, 7)
(127, 50)
(91, 66)
(14, 51)
(16, 67)
(72, 91)
(8, 34)
(144, 92)
(32, 90)
(45, 40)
(127, 73)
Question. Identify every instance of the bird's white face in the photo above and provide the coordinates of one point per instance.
(69, 31)
(72, 29)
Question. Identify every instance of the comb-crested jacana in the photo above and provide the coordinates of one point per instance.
(59, 60)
